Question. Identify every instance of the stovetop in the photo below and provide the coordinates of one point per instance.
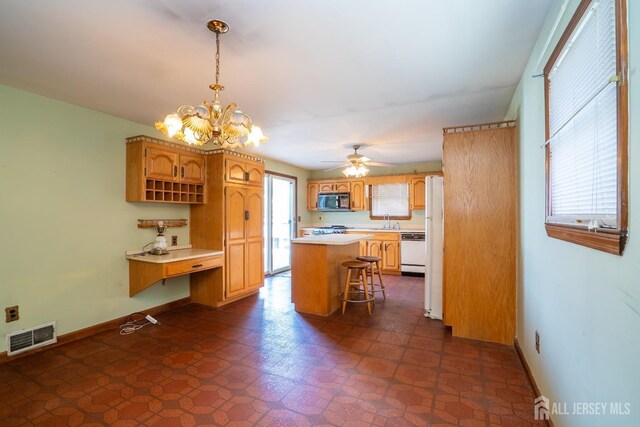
(333, 229)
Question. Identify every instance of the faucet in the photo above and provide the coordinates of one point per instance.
(387, 217)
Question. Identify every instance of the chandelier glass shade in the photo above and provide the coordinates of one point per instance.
(228, 127)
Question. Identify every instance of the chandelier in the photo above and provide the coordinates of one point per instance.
(227, 127)
(357, 170)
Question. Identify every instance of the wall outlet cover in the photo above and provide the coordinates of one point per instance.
(12, 313)
(174, 240)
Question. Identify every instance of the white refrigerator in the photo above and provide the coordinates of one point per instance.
(433, 227)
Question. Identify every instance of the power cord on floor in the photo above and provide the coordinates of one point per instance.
(130, 324)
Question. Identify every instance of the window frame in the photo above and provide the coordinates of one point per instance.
(608, 240)
(371, 216)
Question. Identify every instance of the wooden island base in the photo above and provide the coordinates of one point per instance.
(317, 275)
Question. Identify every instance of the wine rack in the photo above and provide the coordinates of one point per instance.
(173, 192)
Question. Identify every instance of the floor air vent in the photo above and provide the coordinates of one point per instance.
(28, 339)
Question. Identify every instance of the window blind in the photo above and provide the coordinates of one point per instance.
(583, 123)
(390, 199)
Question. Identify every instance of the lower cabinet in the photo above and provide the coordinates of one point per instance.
(383, 245)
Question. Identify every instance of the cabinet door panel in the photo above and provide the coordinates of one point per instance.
(342, 187)
(391, 258)
(235, 171)
(417, 195)
(363, 248)
(255, 267)
(255, 174)
(312, 196)
(326, 187)
(234, 207)
(375, 248)
(162, 164)
(357, 196)
(191, 169)
(253, 204)
(235, 267)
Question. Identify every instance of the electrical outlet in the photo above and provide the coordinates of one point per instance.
(174, 240)
(12, 314)
(538, 341)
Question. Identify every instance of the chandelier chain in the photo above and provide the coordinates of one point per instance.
(217, 58)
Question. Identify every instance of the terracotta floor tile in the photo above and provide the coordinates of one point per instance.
(258, 362)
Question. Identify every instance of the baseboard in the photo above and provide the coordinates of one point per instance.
(532, 381)
(95, 329)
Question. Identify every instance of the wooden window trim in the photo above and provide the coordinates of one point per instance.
(611, 241)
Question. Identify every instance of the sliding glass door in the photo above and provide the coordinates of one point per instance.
(279, 224)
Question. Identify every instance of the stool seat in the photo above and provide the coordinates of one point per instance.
(355, 264)
(368, 258)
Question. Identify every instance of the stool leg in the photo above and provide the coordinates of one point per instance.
(345, 295)
(373, 288)
(366, 293)
(384, 295)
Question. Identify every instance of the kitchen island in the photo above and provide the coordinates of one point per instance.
(317, 275)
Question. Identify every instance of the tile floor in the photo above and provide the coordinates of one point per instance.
(258, 362)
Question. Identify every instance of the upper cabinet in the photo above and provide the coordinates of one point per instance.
(417, 194)
(164, 173)
(244, 171)
(312, 196)
(192, 168)
(357, 196)
(326, 187)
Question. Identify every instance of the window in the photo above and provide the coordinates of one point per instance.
(390, 199)
(586, 129)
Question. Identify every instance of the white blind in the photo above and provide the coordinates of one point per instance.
(583, 122)
(390, 199)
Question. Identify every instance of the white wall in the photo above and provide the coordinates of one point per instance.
(585, 303)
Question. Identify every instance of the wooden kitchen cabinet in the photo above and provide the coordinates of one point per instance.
(391, 257)
(313, 189)
(417, 194)
(358, 196)
(326, 187)
(158, 171)
(342, 186)
(232, 220)
(244, 171)
(384, 245)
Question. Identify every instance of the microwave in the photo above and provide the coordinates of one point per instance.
(334, 202)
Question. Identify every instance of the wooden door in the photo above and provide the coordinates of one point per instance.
(326, 187)
(417, 194)
(357, 196)
(342, 187)
(161, 164)
(480, 214)
(255, 173)
(192, 168)
(235, 247)
(312, 196)
(254, 246)
(235, 171)
(391, 257)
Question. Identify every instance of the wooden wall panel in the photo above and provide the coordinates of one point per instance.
(480, 209)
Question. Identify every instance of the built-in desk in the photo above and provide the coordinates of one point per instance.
(146, 270)
(317, 275)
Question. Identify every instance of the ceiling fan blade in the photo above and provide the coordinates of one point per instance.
(380, 164)
(365, 159)
(338, 167)
(332, 161)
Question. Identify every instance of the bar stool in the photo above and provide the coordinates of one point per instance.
(374, 262)
(352, 288)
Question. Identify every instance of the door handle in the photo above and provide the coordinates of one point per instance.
(246, 215)
(182, 172)
(246, 176)
(196, 266)
(380, 247)
(175, 171)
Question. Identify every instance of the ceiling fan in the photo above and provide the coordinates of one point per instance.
(356, 164)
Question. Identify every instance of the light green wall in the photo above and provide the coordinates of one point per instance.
(585, 303)
(65, 222)
(302, 175)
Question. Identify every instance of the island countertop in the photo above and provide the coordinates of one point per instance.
(332, 239)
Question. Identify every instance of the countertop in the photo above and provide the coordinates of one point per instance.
(387, 230)
(174, 255)
(332, 239)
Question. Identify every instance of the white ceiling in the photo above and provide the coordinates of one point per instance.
(318, 76)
